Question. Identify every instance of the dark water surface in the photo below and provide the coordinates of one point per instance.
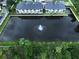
(54, 28)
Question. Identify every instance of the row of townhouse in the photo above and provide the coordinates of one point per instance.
(39, 8)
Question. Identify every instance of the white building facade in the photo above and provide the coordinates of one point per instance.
(0, 8)
(28, 11)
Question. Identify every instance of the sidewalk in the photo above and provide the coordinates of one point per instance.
(4, 19)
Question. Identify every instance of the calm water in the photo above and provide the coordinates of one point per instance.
(53, 28)
(41, 28)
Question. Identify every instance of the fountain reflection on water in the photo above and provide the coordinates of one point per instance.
(40, 28)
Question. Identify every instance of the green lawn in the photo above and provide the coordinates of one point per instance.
(44, 14)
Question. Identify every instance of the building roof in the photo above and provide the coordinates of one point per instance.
(61, 6)
(27, 0)
(29, 5)
(37, 5)
(1, 0)
(51, 5)
(24, 5)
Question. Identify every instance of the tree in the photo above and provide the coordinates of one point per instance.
(10, 3)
